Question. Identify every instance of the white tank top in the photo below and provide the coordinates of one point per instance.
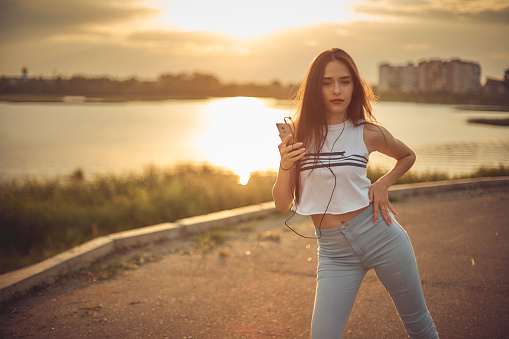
(347, 157)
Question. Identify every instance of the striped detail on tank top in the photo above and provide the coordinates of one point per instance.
(331, 159)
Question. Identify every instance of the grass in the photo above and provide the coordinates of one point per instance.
(413, 177)
(410, 177)
(42, 217)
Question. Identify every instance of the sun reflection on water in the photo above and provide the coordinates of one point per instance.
(241, 135)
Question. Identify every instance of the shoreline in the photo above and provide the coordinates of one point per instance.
(36, 98)
(84, 99)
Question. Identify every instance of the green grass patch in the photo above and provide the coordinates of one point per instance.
(42, 217)
(413, 177)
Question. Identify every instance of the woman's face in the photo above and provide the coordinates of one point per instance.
(337, 90)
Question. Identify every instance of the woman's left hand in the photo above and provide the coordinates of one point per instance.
(379, 197)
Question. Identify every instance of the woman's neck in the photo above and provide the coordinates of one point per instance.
(335, 119)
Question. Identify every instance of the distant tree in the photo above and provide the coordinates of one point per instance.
(276, 84)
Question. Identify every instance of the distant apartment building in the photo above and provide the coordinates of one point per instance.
(496, 85)
(401, 78)
(436, 75)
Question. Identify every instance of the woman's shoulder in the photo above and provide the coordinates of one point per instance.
(371, 126)
(375, 135)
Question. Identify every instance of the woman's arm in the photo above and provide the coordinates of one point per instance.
(379, 139)
(284, 186)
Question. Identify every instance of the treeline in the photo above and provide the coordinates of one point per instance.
(183, 85)
(198, 85)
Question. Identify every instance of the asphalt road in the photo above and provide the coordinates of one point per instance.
(260, 282)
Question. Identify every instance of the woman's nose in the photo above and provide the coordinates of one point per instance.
(337, 88)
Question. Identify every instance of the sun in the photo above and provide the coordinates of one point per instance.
(244, 179)
(240, 135)
(251, 18)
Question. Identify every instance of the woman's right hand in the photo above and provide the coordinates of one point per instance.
(290, 153)
(285, 182)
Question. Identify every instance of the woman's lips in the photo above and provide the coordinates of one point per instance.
(337, 101)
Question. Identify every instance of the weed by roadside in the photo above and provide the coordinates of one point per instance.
(117, 263)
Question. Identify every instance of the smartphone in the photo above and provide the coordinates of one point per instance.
(284, 130)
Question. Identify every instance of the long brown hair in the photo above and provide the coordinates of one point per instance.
(311, 116)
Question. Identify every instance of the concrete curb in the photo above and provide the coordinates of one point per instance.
(20, 282)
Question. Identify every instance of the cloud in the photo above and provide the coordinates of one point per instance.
(184, 41)
(491, 12)
(372, 42)
(83, 41)
(30, 20)
(283, 55)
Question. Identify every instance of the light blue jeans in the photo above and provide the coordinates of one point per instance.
(346, 253)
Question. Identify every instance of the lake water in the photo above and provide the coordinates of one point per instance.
(49, 139)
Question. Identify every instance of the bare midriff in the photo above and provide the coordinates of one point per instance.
(334, 220)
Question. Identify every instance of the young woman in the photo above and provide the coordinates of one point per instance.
(323, 174)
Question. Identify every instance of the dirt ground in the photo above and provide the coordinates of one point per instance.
(258, 281)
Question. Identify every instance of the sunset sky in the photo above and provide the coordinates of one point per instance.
(235, 40)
